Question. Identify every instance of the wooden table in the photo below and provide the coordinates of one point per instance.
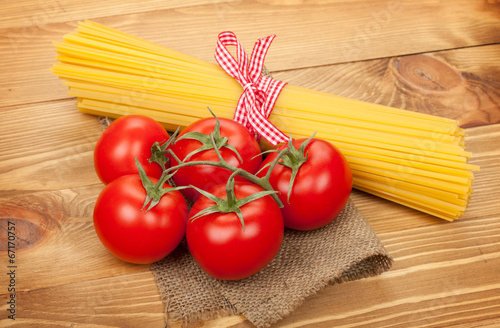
(438, 57)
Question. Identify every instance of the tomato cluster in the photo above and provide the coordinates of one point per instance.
(241, 204)
(125, 229)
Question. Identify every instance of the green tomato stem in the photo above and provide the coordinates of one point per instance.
(263, 182)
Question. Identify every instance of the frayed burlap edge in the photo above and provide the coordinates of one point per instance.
(278, 289)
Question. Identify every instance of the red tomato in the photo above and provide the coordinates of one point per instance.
(321, 189)
(127, 138)
(218, 242)
(206, 176)
(131, 233)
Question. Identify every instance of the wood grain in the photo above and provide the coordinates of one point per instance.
(55, 233)
(46, 146)
(371, 29)
(35, 13)
(449, 254)
(121, 301)
(439, 268)
(439, 57)
(461, 84)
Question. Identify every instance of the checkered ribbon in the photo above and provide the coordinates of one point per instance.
(259, 92)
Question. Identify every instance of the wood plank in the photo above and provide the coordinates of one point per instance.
(372, 29)
(68, 244)
(389, 52)
(35, 12)
(462, 84)
(55, 233)
(62, 240)
(124, 301)
(47, 146)
(57, 236)
(449, 255)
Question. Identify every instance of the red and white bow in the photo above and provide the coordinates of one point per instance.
(259, 92)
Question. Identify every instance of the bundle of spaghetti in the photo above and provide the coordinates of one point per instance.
(414, 159)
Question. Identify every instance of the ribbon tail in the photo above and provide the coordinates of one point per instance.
(259, 52)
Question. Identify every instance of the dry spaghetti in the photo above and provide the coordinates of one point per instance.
(413, 159)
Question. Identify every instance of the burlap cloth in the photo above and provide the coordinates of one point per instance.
(346, 249)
